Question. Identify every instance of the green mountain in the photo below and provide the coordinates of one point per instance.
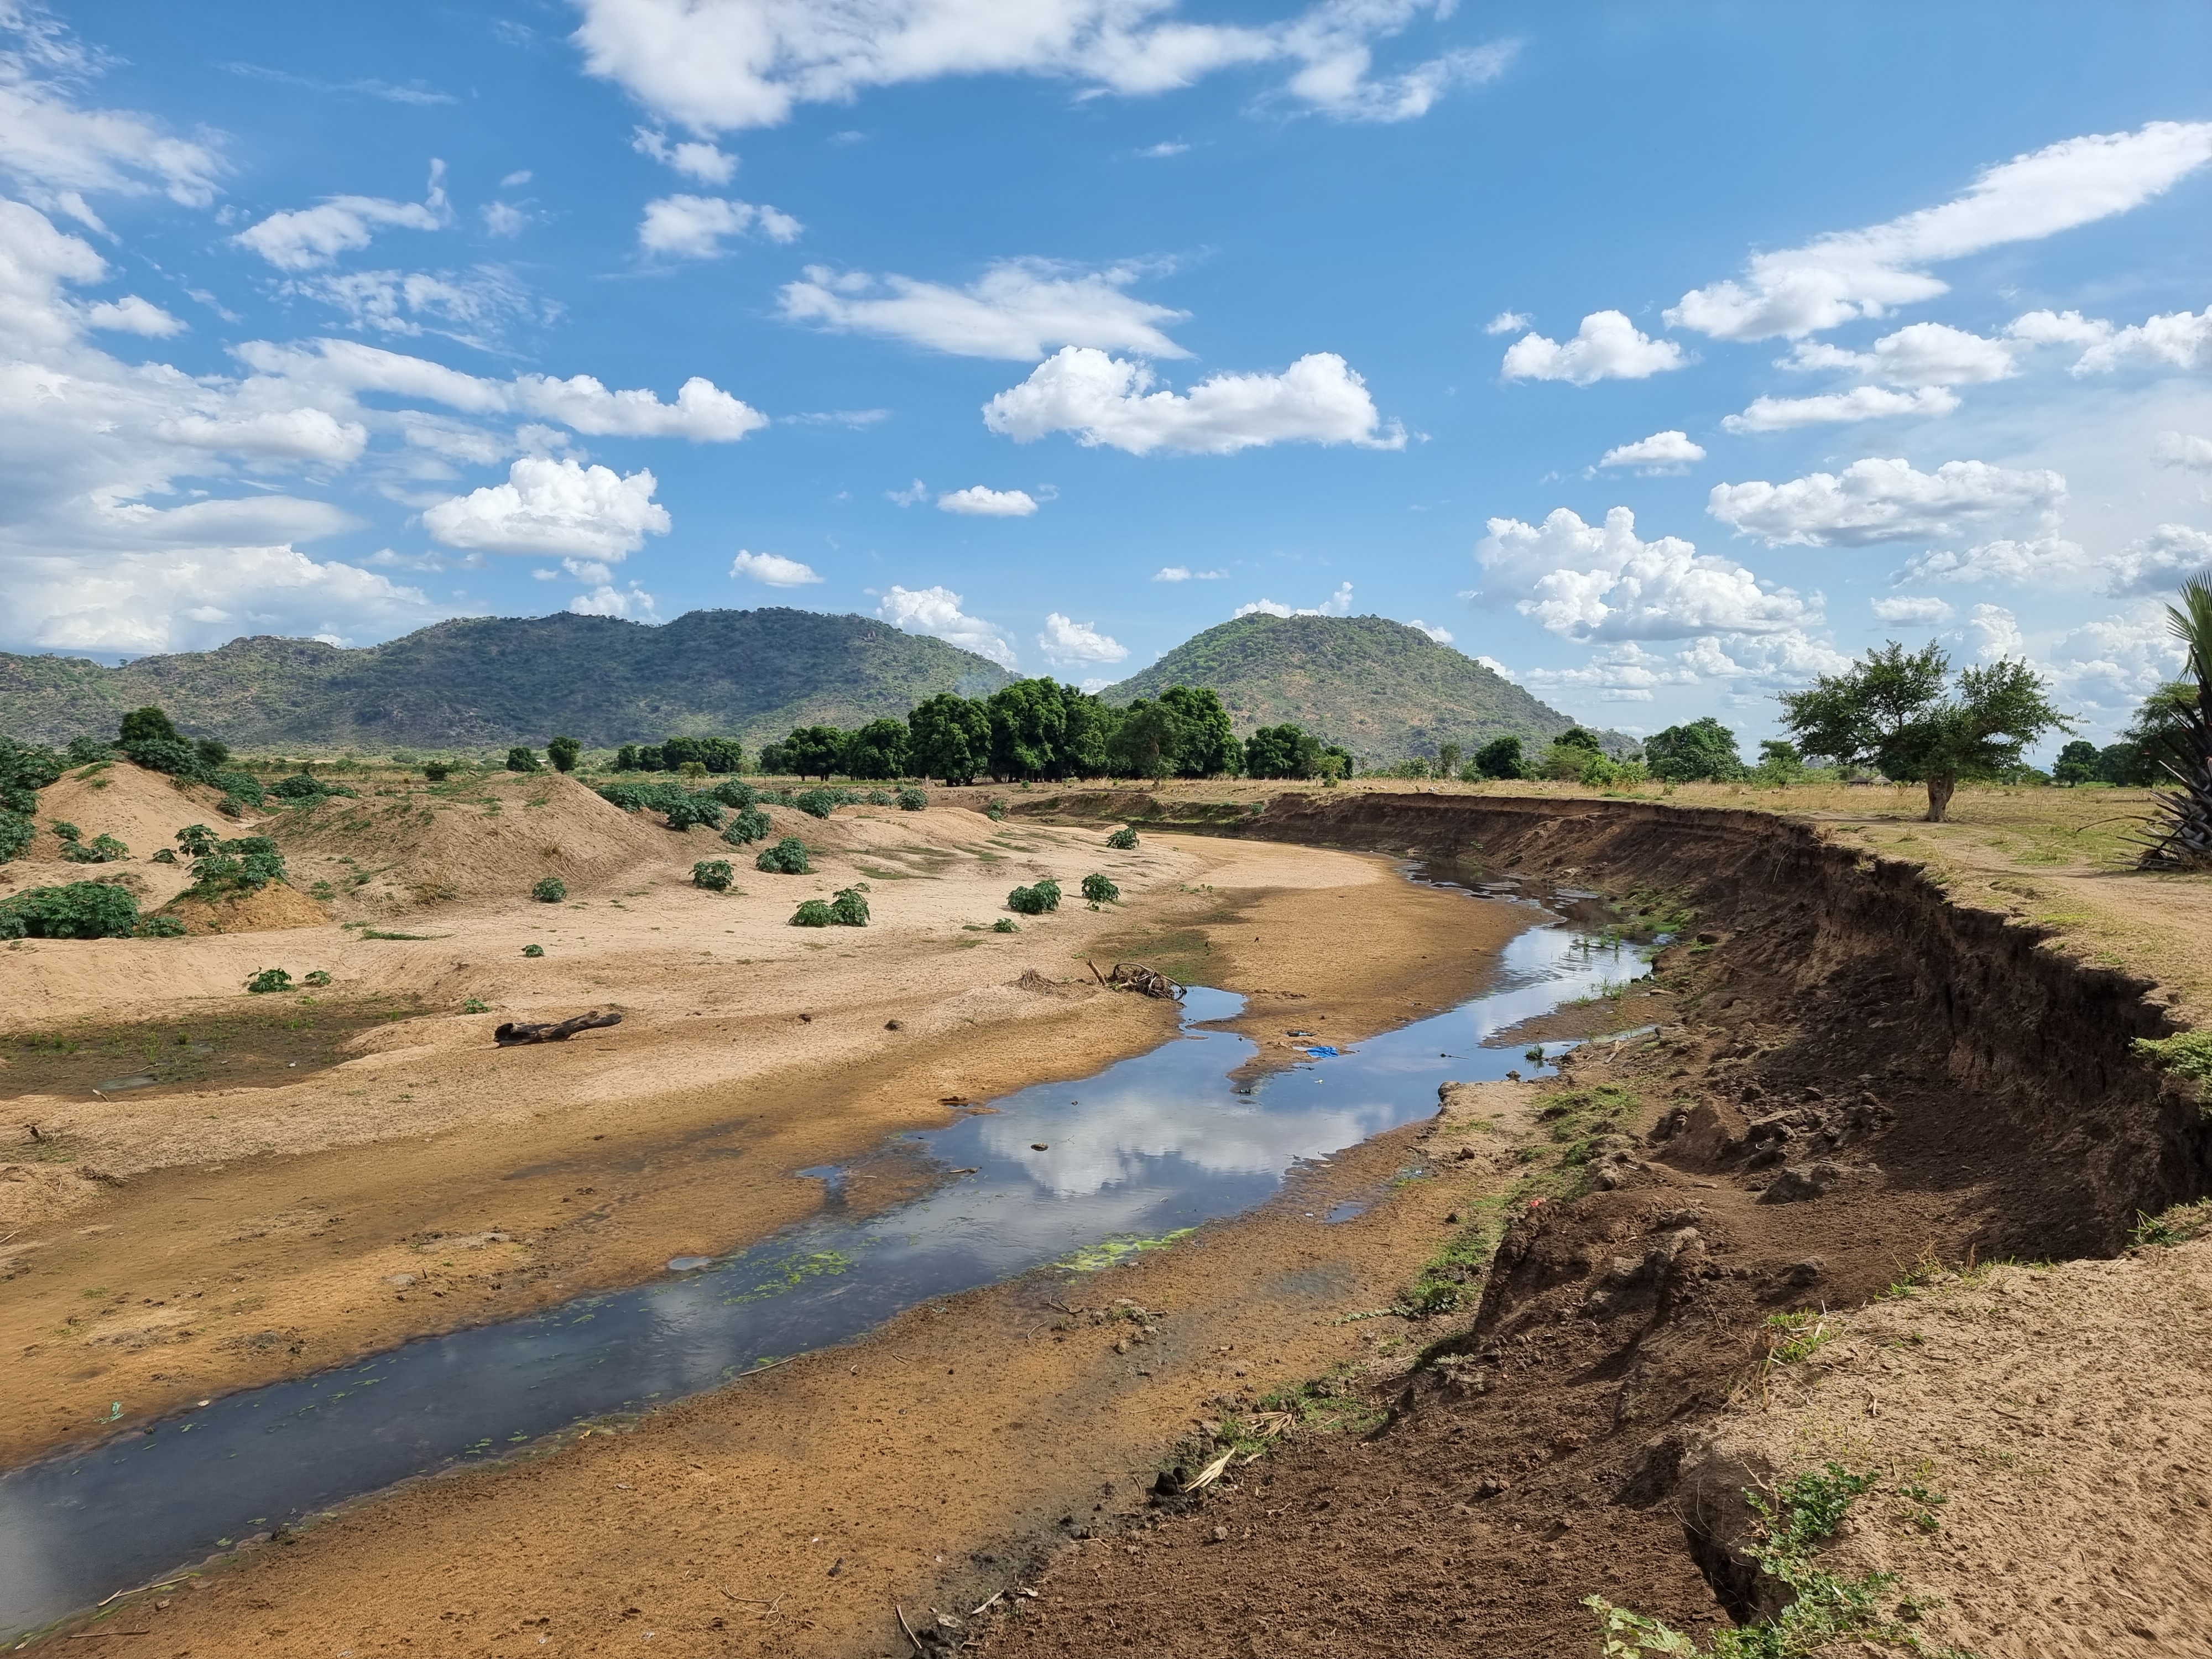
(489, 682)
(1385, 691)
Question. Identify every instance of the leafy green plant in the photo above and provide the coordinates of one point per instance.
(815, 803)
(2186, 1054)
(476, 1005)
(436, 771)
(197, 840)
(82, 910)
(713, 874)
(787, 858)
(234, 867)
(16, 832)
(813, 913)
(533, 951)
(564, 753)
(101, 849)
(736, 793)
(317, 977)
(878, 797)
(1123, 840)
(749, 826)
(1035, 901)
(1005, 925)
(911, 800)
(994, 809)
(1099, 890)
(159, 928)
(268, 980)
(684, 809)
(551, 891)
(523, 758)
(848, 909)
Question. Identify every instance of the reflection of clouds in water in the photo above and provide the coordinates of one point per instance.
(1117, 1138)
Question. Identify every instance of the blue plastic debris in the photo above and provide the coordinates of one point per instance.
(1322, 1051)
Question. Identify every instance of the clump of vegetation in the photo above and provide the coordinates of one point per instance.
(1035, 901)
(748, 827)
(197, 840)
(878, 797)
(162, 855)
(307, 789)
(270, 979)
(82, 910)
(787, 858)
(1123, 840)
(533, 949)
(2186, 1054)
(911, 800)
(713, 874)
(564, 753)
(247, 863)
(685, 809)
(848, 909)
(159, 928)
(737, 793)
(817, 803)
(551, 891)
(436, 771)
(16, 832)
(1005, 925)
(1792, 1337)
(317, 977)
(813, 913)
(2177, 1225)
(476, 1005)
(1099, 890)
(101, 849)
(523, 758)
(994, 809)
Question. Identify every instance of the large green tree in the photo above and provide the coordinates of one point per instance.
(1704, 751)
(811, 751)
(1904, 712)
(1282, 751)
(1208, 746)
(876, 751)
(949, 738)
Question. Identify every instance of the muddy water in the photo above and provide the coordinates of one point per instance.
(1076, 1174)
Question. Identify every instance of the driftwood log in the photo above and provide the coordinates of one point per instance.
(511, 1034)
(1135, 976)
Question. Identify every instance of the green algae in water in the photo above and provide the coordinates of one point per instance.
(1108, 1252)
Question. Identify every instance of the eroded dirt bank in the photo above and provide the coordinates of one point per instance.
(1864, 1084)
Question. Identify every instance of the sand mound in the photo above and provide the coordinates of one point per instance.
(141, 809)
(402, 848)
(274, 907)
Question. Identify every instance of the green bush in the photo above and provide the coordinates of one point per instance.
(713, 874)
(1005, 925)
(533, 949)
(437, 771)
(815, 803)
(787, 858)
(16, 834)
(748, 827)
(162, 855)
(848, 909)
(159, 928)
(24, 769)
(994, 809)
(306, 788)
(197, 840)
(211, 753)
(317, 977)
(1035, 901)
(269, 979)
(911, 800)
(170, 755)
(551, 890)
(878, 797)
(233, 865)
(685, 809)
(85, 751)
(737, 793)
(523, 758)
(65, 832)
(240, 787)
(139, 725)
(1123, 840)
(564, 753)
(101, 849)
(1099, 890)
(813, 913)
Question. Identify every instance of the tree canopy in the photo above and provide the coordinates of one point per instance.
(1904, 713)
(1704, 751)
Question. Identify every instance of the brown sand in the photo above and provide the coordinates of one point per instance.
(207, 1240)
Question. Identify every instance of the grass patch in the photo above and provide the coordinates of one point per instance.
(2175, 1226)
(1329, 1403)
(2187, 1054)
(1792, 1337)
(1452, 1278)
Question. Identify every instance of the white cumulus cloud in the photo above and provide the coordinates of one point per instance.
(1018, 309)
(1106, 400)
(132, 315)
(1661, 449)
(773, 569)
(1861, 403)
(1921, 354)
(725, 64)
(1993, 632)
(694, 226)
(1587, 581)
(554, 507)
(306, 239)
(2180, 339)
(705, 162)
(1508, 322)
(979, 502)
(2040, 562)
(1607, 347)
(1065, 640)
(2160, 562)
(1338, 604)
(1867, 273)
(2183, 449)
(1184, 573)
(936, 611)
(1441, 635)
(1883, 500)
(1911, 610)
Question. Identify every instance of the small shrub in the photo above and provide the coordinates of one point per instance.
(270, 979)
(748, 827)
(65, 832)
(16, 834)
(86, 752)
(551, 890)
(82, 910)
(476, 1005)
(1005, 925)
(787, 858)
(101, 849)
(436, 771)
(713, 874)
(159, 928)
(737, 793)
(817, 803)
(317, 977)
(564, 753)
(170, 755)
(878, 797)
(1123, 840)
(994, 809)
(2186, 1054)
(240, 787)
(1035, 901)
(848, 909)
(1099, 890)
(685, 809)
(533, 949)
(911, 800)
(163, 855)
(250, 861)
(813, 913)
(197, 840)
(523, 758)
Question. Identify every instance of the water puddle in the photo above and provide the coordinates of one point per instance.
(1079, 1174)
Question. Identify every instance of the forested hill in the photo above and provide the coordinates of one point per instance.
(1385, 691)
(488, 682)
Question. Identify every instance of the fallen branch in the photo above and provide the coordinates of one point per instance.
(1135, 976)
(512, 1034)
(908, 1629)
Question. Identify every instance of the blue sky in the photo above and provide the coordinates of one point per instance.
(1665, 356)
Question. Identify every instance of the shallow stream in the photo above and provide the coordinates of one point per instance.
(1078, 1174)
